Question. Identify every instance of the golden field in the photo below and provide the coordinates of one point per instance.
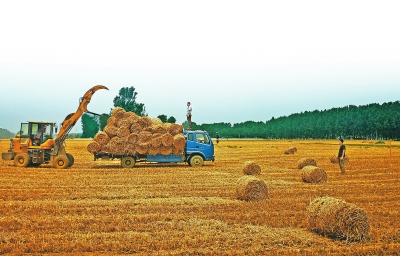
(96, 207)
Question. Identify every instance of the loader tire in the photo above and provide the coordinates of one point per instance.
(196, 161)
(60, 162)
(71, 160)
(22, 160)
(128, 162)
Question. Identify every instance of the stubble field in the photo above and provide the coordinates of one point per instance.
(96, 207)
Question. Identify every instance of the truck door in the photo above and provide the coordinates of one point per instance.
(200, 142)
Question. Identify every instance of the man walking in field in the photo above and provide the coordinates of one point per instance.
(341, 156)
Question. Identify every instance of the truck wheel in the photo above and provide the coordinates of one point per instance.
(196, 161)
(60, 162)
(128, 162)
(70, 159)
(22, 160)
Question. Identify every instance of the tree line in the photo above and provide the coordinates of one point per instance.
(372, 121)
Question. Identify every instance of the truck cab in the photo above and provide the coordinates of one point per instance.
(199, 148)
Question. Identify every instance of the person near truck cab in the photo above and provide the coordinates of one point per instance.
(189, 115)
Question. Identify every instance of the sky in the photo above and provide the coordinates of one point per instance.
(235, 61)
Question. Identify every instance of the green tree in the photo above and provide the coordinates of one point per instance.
(171, 120)
(90, 126)
(103, 121)
(127, 100)
(163, 118)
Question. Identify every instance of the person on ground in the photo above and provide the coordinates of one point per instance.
(217, 138)
(189, 115)
(341, 156)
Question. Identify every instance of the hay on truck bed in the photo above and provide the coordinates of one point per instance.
(338, 219)
(127, 134)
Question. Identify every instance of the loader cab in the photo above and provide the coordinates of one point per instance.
(36, 132)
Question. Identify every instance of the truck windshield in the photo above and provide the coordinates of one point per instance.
(202, 138)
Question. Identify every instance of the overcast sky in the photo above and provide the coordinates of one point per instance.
(234, 60)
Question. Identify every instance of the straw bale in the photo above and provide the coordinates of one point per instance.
(141, 149)
(132, 117)
(250, 188)
(251, 168)
(165, 150)
(154, 150)
(133, 138)
(145, 121)
(156, 140)
(117, 145)
(290, 150)
(338, 219)
(179, 141)
(111, 130)
(136, 128)
(94, 147)
(112, 120)
(129, 114)
(102, 138)
(177, 151)
(123, 131)
(123, 123)
(167, 139)
(305, 161)
(144, 138)
(156, 121)
(118, 112)
(175, 129)
(159, 128)
(313, 174)
(334, 159)
(130, 149)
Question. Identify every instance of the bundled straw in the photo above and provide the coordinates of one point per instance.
(249, 188)
(290, 150)
(179, 141)
(338, 219)
(101, 138)
(306, 161)
(251, 168)
(313, 174)
(93, 147)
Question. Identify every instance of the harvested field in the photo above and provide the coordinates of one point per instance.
(97, 207)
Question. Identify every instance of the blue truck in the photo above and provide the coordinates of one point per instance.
(199, 148)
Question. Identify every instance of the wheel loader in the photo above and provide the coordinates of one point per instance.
(36, 145)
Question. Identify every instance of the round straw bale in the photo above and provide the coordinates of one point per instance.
(94, 147)
(179, 141)
(337, 219)
(154, 150)
(251, 168)
(130, 149)
(132, 117)
(141, 149)
(136, 128)
(156, 121)
(144, 138)
(290, 150)
(118, 112)
(123, 132)
(166, 151)
(105, 148)
(159, 128)
(167, 139)
(111, 130)
(112, 120)
(133, 138)
(102, 138)
(156, 140)
(145, 121)
(305, 161)
(334, 159)
(175, 129)
(123, 123)
(313, 174)
(250, 188)
(177, 151)
(117, 145)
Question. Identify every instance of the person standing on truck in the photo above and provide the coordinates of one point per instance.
(189, 115)
(341, 156)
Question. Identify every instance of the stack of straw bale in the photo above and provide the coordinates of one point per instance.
(129, 134)
(313, 174)
(305, 161)
(251, 168)
(334, 159)
(338, 219)
(250, 188)
(290, 150)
